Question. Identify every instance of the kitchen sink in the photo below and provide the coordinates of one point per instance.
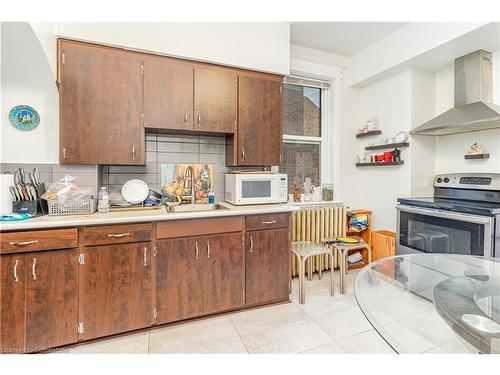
(197, 207)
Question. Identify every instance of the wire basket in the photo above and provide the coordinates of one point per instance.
(69, 207)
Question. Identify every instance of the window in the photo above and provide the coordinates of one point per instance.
(303, 136)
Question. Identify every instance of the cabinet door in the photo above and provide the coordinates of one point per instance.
(100, 102)
(267, 265)
(215, 98)
(223, 272)
(168, 94)
(260, 134)
(178, 280)
(51, 299)
(12, 303)
(117, 289)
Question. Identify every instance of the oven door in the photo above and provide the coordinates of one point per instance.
(425, 230)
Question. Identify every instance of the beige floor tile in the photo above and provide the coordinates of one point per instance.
(457, 346)
(331, 348)
(368, 342)
(180, 338)
(252, 321)
(343, 323)
(129, 344)
(399, 306)
(320, 303)
(292, 337)
(231, 345)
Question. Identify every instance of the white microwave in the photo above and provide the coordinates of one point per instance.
(252, 188)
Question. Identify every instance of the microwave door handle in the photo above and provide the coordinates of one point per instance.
(484, 220)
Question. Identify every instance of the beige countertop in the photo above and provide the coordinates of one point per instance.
(141, 216)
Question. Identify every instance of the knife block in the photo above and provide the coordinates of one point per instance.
(37, 207)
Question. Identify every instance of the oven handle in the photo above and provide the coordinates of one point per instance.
(476, 219)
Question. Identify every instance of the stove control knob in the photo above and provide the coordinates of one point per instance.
(439, 180)
(446, 179)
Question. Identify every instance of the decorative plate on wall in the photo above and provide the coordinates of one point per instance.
(24, 117)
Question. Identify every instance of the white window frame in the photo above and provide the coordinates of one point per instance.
(329, 140)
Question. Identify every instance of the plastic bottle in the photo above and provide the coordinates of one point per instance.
(211, 198)
(103, 201)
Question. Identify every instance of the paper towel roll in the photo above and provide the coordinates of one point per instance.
(6, 180)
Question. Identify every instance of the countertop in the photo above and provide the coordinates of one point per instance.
(141, 216)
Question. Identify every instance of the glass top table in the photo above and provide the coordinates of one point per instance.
(442, 303)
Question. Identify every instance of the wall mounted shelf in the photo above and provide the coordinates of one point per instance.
(369, 134)
(387, 145)
(380, 164)
(477, 156)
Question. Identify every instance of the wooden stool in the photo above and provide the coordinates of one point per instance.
(303, 251)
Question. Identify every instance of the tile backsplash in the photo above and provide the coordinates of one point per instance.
(160, 149)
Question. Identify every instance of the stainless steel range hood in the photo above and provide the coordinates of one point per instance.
(473, 109)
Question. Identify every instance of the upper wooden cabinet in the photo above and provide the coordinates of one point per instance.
(100, 105)
(215, 100)
(260, 129)
(168, 94)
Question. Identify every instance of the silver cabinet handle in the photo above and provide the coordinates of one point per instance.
(208, 249)
(199, 119)
(251, 244)
(196, 250)
(33, 269)
(145, 257)
(269, 222)
(185, 117)
(25, 243)
(15, 271)
(118, 235)
(64, 153)
(133, 152)
(243, 154)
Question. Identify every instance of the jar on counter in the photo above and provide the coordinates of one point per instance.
(327, 192)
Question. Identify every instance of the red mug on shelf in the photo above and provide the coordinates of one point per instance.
(388, 156)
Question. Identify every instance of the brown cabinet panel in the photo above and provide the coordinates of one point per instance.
(260, 128)
(113, 234)
(12, 303)
(168, 94)
(223, 272)
(196, 227)
(267, 265)
(51, 299)
(255, 222)
(100, 105)
(215, 100)
(117, 289)
(17, 242)
(179, 281)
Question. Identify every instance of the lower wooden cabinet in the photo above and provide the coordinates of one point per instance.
(12, 303)
(199, 276)
(117, 289)
(267, 265)
(39, 300)
(179, 277)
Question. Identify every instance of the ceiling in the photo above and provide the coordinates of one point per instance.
(342, 38)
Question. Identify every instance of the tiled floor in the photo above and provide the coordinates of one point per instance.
(322, 325)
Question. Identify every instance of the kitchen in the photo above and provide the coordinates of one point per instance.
(164, 187)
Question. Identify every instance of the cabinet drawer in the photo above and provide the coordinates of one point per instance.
(19, 242)
(111, 234)
(256, 222)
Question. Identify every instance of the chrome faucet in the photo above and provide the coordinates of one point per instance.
(189, 182)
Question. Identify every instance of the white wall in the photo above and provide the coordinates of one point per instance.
(257, 46)
(27, 79)
(450, 149)
(390, 101)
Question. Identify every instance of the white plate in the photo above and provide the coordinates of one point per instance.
(401, 137)
(135, 191)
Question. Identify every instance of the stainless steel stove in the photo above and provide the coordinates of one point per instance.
(463, 217)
